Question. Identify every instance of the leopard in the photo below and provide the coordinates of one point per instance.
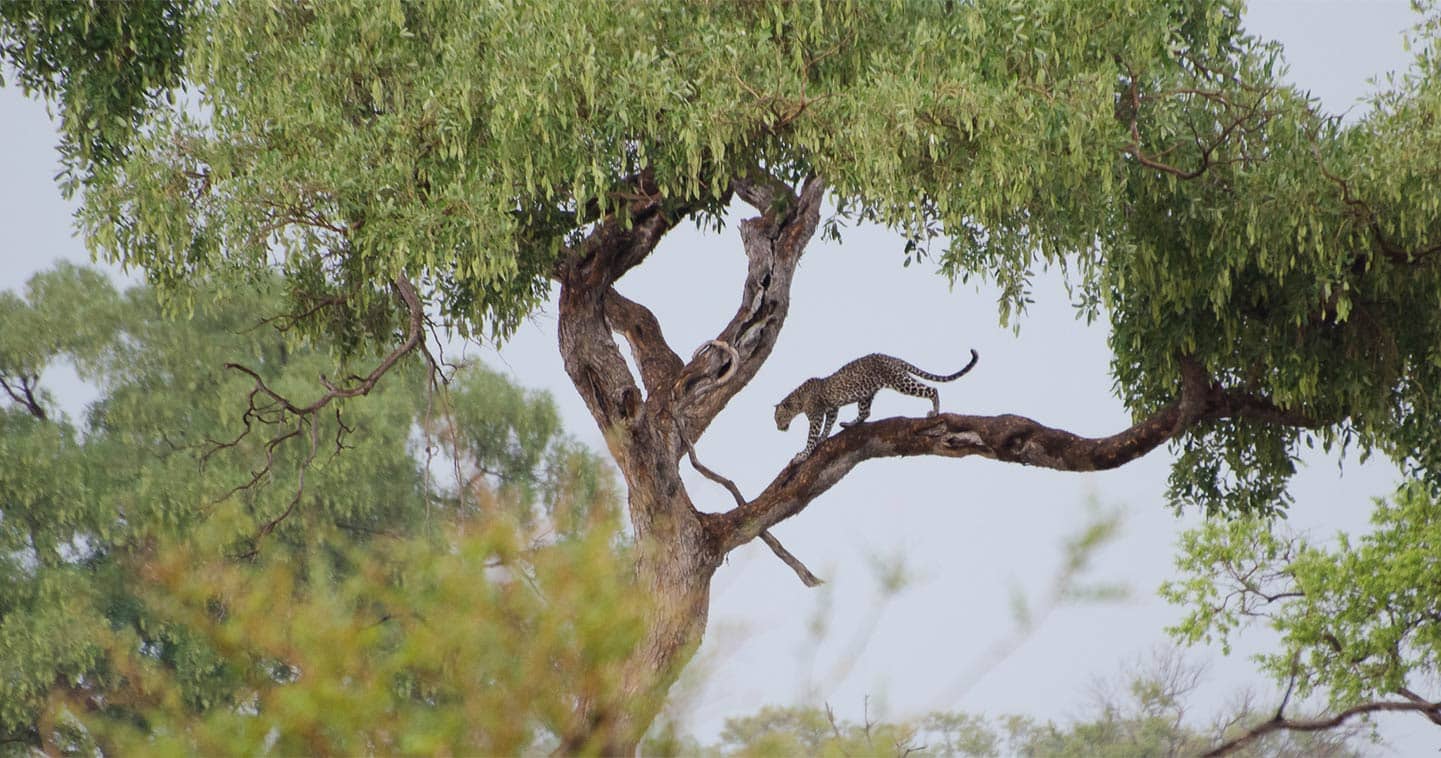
(820, 399)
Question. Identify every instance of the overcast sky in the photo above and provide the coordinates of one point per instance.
(970, 531)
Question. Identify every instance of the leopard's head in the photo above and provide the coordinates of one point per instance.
(792, 405)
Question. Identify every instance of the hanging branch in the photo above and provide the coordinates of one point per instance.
(267, 406)
(807, 578)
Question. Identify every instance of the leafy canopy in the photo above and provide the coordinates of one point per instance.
(1357, 619)
(1149, 148)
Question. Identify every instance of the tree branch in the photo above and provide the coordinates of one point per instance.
(587, 298)
(806, 577)
(1433, 714)
(24, 393)
(774, 242)
(267, 406)
(1009, 438)
(359, 385)
(1279, 722)
(657, 362)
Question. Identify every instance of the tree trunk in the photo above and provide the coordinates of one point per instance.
(676, 578)
(677, 549)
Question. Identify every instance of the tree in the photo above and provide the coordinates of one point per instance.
(1356, 621)
(1268, 271)
(147, 593)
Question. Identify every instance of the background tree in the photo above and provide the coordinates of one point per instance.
(1357, 621)
(138, 571)
(1268, 271)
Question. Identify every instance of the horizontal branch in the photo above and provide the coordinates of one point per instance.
(1009, 438)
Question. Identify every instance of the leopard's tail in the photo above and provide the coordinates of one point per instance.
(975, 356)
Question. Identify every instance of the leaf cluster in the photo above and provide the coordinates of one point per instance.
(106, 65)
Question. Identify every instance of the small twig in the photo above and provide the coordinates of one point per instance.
(1290, 686)
(807, 578)
(835, 727)
(866, 714)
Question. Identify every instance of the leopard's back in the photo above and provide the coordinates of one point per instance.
(861, 378)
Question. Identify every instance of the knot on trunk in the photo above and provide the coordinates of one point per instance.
(712, 365)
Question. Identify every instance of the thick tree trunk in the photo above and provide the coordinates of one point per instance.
(677, 550)
(675, 577)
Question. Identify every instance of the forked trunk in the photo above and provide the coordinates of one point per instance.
(648, 427)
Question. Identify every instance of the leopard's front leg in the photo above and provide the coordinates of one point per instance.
(820, 428)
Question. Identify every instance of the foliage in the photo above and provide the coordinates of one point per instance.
(1148, 148)
(106, 63)
(471, 642)
(318, 159)
(1357, 619)
(112, 527)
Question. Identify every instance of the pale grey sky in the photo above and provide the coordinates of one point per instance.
(970, 530)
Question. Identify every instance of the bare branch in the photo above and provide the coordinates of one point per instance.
(712, 475)
(358, 386)
(267, 406)
(807, 578)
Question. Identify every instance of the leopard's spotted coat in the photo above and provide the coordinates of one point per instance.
(856, 382)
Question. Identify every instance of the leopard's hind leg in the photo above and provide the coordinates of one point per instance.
(863, 412)
(915, 388)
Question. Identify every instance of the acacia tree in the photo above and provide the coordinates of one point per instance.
(1268, 272)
